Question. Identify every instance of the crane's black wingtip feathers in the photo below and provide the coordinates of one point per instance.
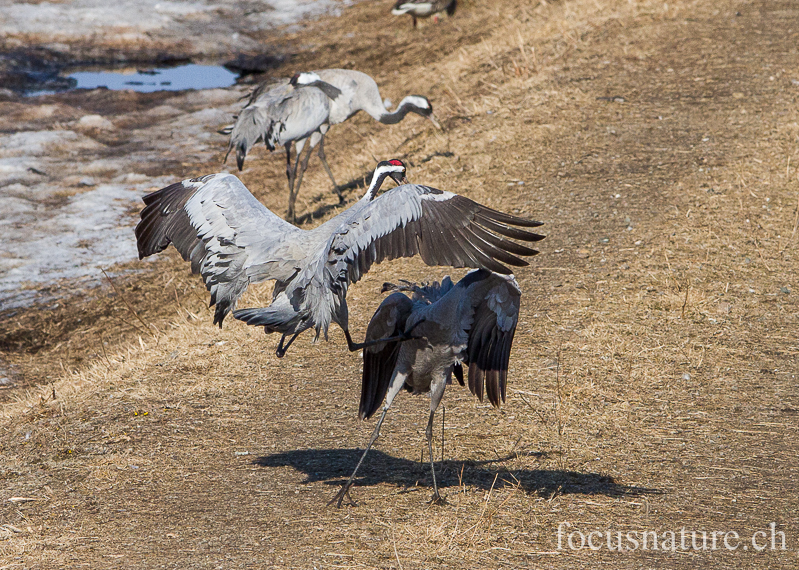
(509, 219)
(154, 229)
(457, 371)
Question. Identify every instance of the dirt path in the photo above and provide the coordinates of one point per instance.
(653, 382)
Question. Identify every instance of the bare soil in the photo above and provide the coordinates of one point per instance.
(653, 377)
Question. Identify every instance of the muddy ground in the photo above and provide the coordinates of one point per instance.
(653, 377)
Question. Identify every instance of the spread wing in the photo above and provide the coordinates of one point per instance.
(496, 312)
(379, 360)
(443, 228)
(230, 238)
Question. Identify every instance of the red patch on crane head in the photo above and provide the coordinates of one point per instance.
(395, 162)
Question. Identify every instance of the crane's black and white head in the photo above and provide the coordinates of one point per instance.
(394, 169)
(421, 106)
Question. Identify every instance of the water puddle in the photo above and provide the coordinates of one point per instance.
(190, 76)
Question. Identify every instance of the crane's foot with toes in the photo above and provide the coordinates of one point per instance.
(437, 499)
(341, 495)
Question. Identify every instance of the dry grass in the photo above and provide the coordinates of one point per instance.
(653, 374)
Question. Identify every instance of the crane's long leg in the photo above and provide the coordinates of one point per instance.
(297, 181)
(281, 350)
(436, 393)
(323, 158)
(292, 180)
(397, 381)
(353, 346)
(287, 146)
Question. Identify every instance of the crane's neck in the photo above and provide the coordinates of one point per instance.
(412, 103)
(374, 186)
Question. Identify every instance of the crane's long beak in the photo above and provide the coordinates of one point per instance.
(400, 180)
(435, 122)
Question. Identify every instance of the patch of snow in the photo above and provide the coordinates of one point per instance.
(34, 143)
(84, 17)
(93, 230)
(66, 214)
(98, 122)
(211, 27)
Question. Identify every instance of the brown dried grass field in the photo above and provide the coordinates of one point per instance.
(653, 377)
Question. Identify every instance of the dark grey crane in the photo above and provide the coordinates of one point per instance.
(355, 91)
(233, 240)
(447, 326)
(295, 112)
(424, 8)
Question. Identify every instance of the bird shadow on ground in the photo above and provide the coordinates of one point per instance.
(323, 210)
(333, 466)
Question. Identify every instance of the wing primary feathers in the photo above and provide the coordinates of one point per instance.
(505, 230)
(380, 360)
(456, 251)
(505, 244)
(507, 218)
(491, 337)
(480, 241)
(158, 218)
(442, 228)
(378, 367)
(485, 254)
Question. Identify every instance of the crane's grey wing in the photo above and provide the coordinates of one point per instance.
(443, 228)
(230, 238)
(495, 299)
(380, 360)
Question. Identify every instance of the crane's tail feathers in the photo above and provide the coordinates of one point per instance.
(252, 126)
(457, 371)
(451, 7)
(491, 383)
(241, 152)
